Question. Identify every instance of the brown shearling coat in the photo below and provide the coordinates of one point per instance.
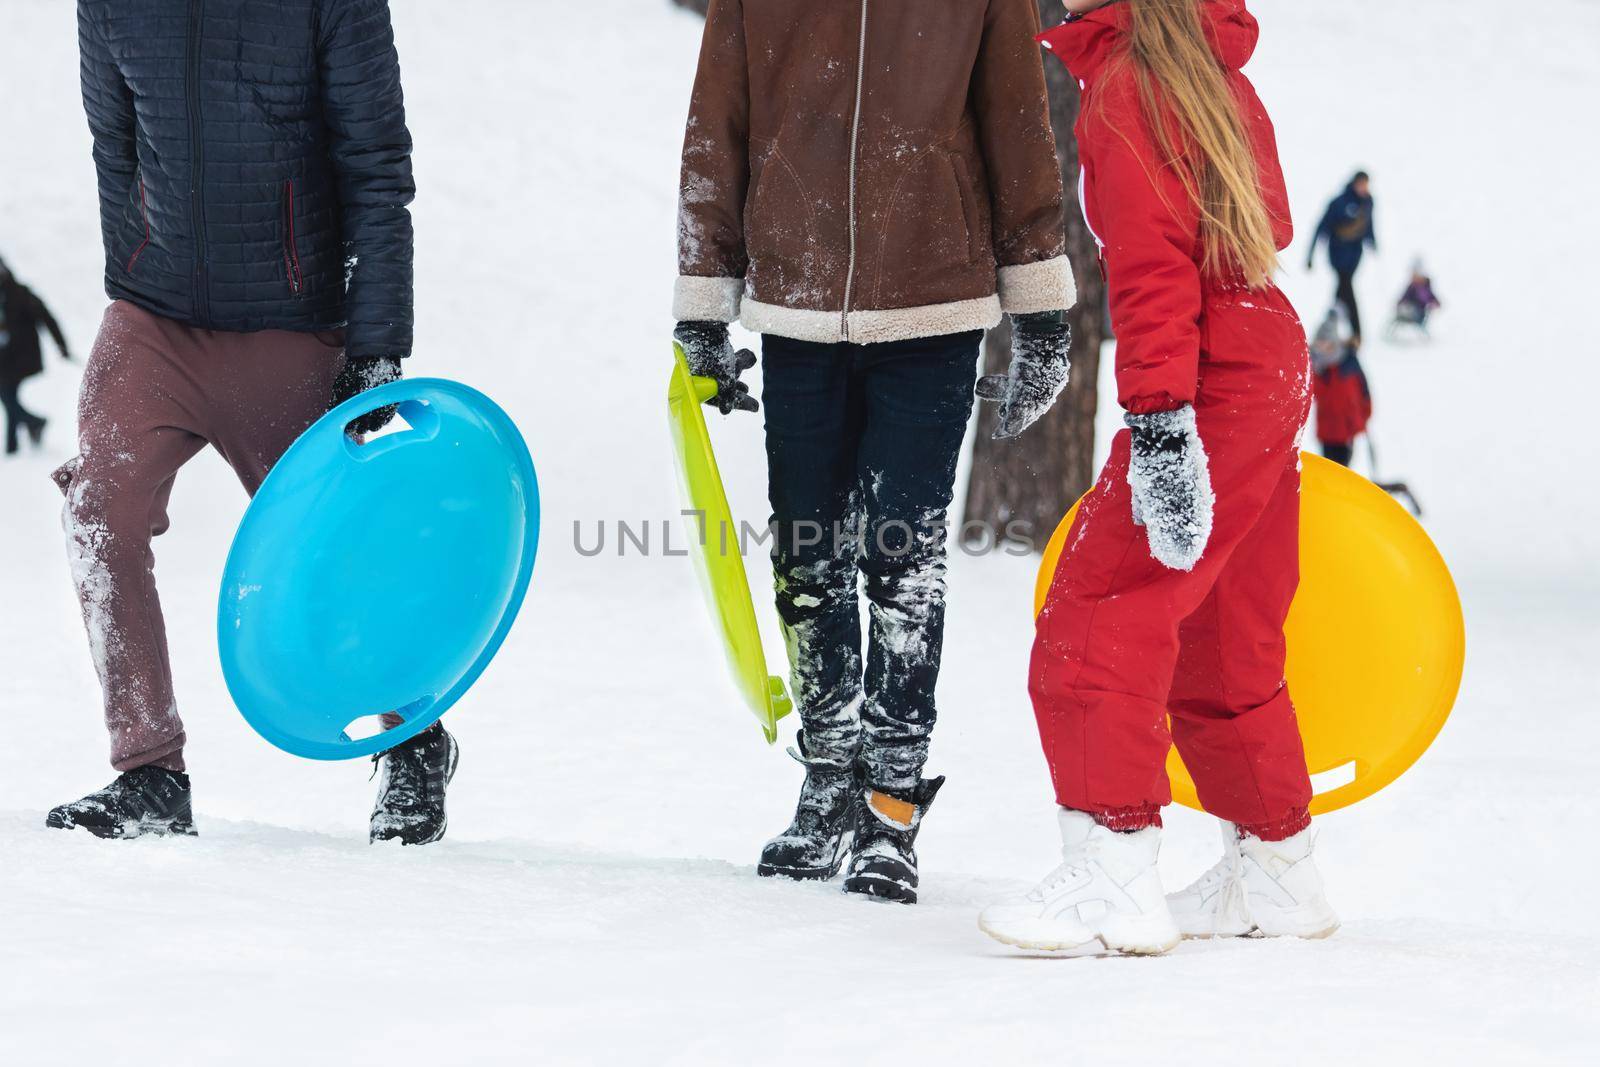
(870, 170)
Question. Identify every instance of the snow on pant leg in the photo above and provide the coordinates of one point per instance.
(919, 397)
(1232, 717)
(138, 424)
(1107, 642)
(812, 403)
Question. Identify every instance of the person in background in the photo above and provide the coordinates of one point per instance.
(870, 194)
(1339, 387)
(1164, 622)
(1418, 302)
(22, 316)
(1347, 226)
(259, 261)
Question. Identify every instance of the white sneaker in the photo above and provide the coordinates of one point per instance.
(1105, 898)
(1261, 888)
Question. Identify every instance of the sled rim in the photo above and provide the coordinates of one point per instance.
(715, 547)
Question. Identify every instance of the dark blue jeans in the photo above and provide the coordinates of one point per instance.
(862, 447)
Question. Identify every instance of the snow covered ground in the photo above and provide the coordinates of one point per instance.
(596, 901)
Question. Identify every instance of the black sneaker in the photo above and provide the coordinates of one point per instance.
(410, 807)
(145, 800)
(816, 843)
(885, 863)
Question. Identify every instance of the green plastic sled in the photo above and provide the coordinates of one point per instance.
(714, 544)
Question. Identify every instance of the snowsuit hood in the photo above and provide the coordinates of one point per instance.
(1088, 43)
(869, 171)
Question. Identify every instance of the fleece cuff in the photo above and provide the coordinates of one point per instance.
(706, 299)
(1044, 286)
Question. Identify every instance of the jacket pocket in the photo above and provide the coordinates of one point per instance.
(143, 224)
(980, 242)
(778, 219)
(291, 250)
(922, 252)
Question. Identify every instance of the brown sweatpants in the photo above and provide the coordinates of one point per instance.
(155, 393)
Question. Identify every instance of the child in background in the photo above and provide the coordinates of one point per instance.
(1339, 387)
(1417, 302)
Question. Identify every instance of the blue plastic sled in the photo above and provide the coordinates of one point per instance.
(378, 577)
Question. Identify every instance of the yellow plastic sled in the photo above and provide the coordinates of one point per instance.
(1376, 639)
(715, 548)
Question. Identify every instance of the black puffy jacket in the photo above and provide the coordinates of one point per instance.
(254, 164)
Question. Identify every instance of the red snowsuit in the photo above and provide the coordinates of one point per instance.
(1344, 403)
(1123, 641)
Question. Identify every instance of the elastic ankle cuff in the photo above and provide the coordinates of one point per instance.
(1127, 820)
(1293, 823)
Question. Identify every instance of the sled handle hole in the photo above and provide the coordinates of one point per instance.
(414, 421)
(364, 727)
(1334, 778)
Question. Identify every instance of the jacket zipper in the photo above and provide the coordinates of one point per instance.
(855, 141)
(291, 250)
(197, 162)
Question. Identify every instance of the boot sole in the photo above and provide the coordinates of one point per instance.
(123, 832)
(1314, 924)
(880, 888)
(810, 874)
(798, 874)
(883, 878)
(1096, 946)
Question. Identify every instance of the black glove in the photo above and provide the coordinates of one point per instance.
(711, 355)
(355, 378)
(1040, 344)
(1171, 482)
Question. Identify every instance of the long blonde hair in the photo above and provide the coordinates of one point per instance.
(1194, 116)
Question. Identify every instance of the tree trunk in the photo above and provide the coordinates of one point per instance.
(1028, 484)
(1025, 486)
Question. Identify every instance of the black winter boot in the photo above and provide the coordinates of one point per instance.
(410, 807)
(816, 843)
(145, 800)
(885, 862)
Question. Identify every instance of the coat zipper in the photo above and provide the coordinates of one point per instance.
(197, 161)
(855, 141)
